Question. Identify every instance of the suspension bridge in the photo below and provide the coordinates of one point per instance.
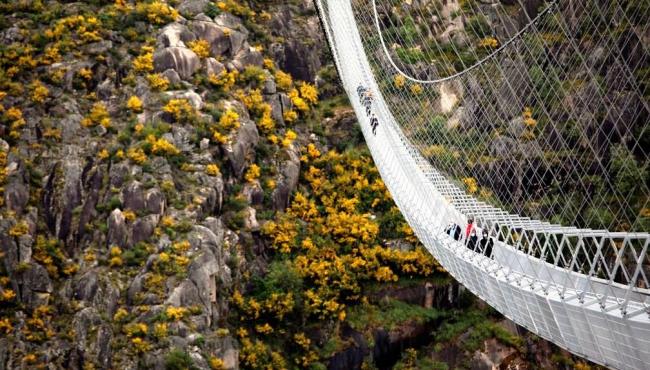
(531, 119)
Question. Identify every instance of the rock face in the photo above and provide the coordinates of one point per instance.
(192, 8)
(290, 171)
(247, 56)
(299, 54)
(36, 285)
(208, 271)
(495, 356)
(508, 94)
(184, 61)
(175, 35)
(213, 67)
(450, 94)
(117, 231)
(214, 34)
(16, 193)
(242, 148)
(63, 193)
(388, 344)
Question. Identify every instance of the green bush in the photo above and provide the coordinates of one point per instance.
(136, 255)
(235, 204)
(212, 10)
(410, 55)
(479, 27)
(178, 359)
(280, 278)
(389, 315)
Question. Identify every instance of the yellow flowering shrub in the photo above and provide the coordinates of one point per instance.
(283, 80)
(48, 252)
(253, 173)
(51, 55)
(225, 80)
(416, 89)
(129, 215)
(488, 42)
(86, 74)
(266, 122)
(269, 64)
(309, 93)
(163, 147)
(332, 240)
(38, 326)
(160, 330)
(51, 133)
(180, 109)
(216, 363)
(137, 155)
(157, 12)
(529, 121)
(5, 326)
(134, 103)
(182, 246)
(176, 313)
(19, 229)
(158, 82)
(470, 184)
(264, 329)
(13, 114)
(115, 256)
(254, 102)
(236, 7)
(399, 81)
(290, 116)
(312, 151)
(144, 62)
(297, 101)
(7, 295)
(98, 116)
(229, 120)
(82, 28)
(136, 329)
(140, 345)
(120, 314)
(289, 138)
(14, 118)
(212, 169)
(219, 137)
(200, 47)
(282, 233)
(39, 92)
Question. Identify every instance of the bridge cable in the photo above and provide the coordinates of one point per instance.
(468, 69)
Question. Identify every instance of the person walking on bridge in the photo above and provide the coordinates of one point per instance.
(367, 102)
(374, 122)
(487, 244)
(472, 241)
(469, 228)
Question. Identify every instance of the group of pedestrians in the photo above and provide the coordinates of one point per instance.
(365, 98)
(471, 239)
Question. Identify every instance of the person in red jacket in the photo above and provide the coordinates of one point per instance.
(470, 226)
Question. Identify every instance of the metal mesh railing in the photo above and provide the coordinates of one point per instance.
(552, 127)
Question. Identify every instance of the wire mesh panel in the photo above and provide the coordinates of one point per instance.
(584, 288)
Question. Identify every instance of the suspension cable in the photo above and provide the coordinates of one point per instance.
(468, 69)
